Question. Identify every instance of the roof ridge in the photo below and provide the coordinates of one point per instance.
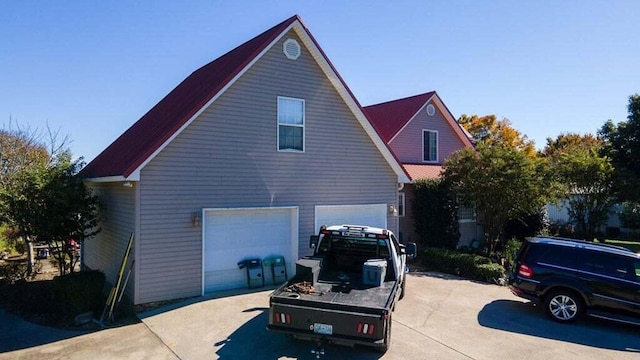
(136, 144)
(402, 99)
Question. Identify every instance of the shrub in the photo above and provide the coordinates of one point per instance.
(13, 271)
(511, 251)
(435, 211)
(527, 225)
(28, 297)
(612, 232)
(76, 293)
(471, 266)
(489, 273)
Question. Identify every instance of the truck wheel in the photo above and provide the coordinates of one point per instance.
(563, 305)
(404, 282)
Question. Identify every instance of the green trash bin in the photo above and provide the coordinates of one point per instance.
(278, 268)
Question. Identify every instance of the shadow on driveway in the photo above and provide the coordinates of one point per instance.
(16, 333)
(527, 319)
(251, 340)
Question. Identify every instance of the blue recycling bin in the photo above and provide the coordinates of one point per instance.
(255, 276)
(278, 268)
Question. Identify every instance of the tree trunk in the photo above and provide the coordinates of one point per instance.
(29, 256)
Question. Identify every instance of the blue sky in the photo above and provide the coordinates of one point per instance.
(90, 69)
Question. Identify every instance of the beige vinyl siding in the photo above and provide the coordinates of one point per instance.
(407, 145)
(228, 157)
(105, 250)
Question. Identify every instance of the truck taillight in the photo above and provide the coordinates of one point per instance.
(364, 328)
(525, 271)
(282, 318)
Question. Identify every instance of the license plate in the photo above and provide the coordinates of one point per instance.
(324, 329)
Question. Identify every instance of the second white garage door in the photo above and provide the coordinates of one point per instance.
(370, 214)
(231, 235)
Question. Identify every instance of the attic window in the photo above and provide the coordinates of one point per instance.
(431, 110)
(291, 49)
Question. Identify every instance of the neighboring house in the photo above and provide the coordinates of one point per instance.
(558, 214)
(246, 157)
(422, 133)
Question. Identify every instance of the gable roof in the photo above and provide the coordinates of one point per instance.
(139, 142)
(129, 153)
(390, 117)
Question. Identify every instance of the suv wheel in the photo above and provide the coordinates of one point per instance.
(563, 306)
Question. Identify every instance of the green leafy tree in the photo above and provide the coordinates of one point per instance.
(51, 204)
(622, 146)
(585, 178)
(630, 215)
(500, 181)
(23, 147)
(436, 214)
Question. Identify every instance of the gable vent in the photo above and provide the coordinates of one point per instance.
(291, 49)
(431, 110)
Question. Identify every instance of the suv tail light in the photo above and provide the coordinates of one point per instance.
(525, 271)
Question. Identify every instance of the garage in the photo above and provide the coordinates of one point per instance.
(369, 214)
(231, 235)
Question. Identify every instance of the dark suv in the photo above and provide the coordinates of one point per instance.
(573, 277)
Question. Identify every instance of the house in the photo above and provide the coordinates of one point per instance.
(246, 158)
(422, 133)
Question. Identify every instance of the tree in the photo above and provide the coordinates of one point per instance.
(568, 142)
(585, 179)
(491, 131)
(622, 146)
(51, 204)
(500, 181)
(19, 149)
(630, 215)
(436, 214)
(22, 147)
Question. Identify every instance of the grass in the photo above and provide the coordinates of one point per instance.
(631, 245)
(3, 242)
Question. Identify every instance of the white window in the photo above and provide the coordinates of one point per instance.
(400, 204)
(290, 124)
(429, 146)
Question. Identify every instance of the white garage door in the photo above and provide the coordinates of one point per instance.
(371, 215)
(231, 235)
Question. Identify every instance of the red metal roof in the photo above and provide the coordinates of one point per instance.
(389, 117)
(148, 134)
(418, 172)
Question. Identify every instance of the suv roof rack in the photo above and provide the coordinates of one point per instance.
(581, 242)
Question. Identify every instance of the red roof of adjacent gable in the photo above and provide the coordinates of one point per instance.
(418, 172)
(148, 134)
(389, 117)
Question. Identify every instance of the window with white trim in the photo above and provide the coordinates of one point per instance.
(290, 124)
(429, 146)
(400, 204)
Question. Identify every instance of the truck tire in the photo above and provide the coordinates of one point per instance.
(404, 282)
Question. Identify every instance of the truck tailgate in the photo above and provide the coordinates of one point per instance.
(317, 322)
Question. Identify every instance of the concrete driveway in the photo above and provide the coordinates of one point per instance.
(441, 317)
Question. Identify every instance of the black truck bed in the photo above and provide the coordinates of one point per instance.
(338, 295)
